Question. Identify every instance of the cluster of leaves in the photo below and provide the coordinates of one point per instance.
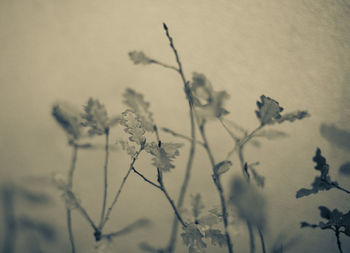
(336, 221)
(322, 182)
(96, 118)
(201, 227)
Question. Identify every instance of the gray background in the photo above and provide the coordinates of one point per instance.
(296, 52)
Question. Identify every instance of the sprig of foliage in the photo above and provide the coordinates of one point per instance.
(96, 118)
(322, 182)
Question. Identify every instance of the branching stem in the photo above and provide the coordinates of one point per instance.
(105, 181)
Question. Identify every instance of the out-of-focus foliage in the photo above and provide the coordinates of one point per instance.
(96, 118)
(138, 57)
(321, 183)
(336, 136)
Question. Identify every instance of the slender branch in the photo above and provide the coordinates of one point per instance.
(340, 188)
(9, 242)
(173, 133)
(251, 237)
(145, 179)
(105, 182)
(233, 136)
(129, 228)
(70, 186)
(173, 236)
(262, 241)
(338, 240)
(121, 187)
(217, 182)
(164, 65)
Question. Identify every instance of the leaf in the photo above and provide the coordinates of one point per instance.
(292, 116)
(96, 117)
(137, 104)
(126, 146)
(271, 134)
(345, 169)
(163, 155)
(69, 119)
(222, 167)
(208, 220)
(325, 212)
(321, 183)
(208, 103)
(193, 238)
(336, 136)
(250, 204)
(138, 57)
(268, 110)
(217, 238)
(133, 126)
(197, 205)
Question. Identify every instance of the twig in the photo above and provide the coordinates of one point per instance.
(217, 182)
(251, 237)
(261, 235)
(146, 179)
(340, 188)
(129, 228)
(121, 187)
(105, 182)
(173, 236)
(167, 130)
(70, 186)
(338, 240)
(164, 65)
(9, 220)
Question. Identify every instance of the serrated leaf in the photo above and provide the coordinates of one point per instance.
(133, 126)
(345, 169)
(138, 57)
(216, 237)
(163, 155)
(222, 167)
(293, 116)
(193, 238)
(268, 110)
(69, 119)
(197, 205)
(208, 103)
(338, 137)
(96, 117)
(137, 104)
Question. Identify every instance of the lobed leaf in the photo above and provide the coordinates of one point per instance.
(216, 237)
(133, 126)
(140, 107)
(268, 110)
(193, 238)
(96, 117)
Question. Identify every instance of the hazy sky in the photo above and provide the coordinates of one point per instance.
(296, 51)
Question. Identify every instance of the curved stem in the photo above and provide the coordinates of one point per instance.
(121, 187)
(173, 236)
(70, 186)
(105, 181)
(251, 237)
(262, 241)
(217, 182)
(337, 234)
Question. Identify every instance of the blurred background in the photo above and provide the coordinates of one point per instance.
(297, 52)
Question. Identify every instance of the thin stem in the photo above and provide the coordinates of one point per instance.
(173, 236)
(164, 65)
(163, 189)
(262, 241)
(173, 133)
(121, 187)
(340, 188)
(217, 182)
(105, 181)
(251, 237)
(129, 228)
(70, 186)
(145, 179)
(337, 234)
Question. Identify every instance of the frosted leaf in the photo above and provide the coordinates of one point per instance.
(126, 146)
(137, 104)
(133, 126)
(96, 117)
(138, 57)
(69, 119)
(163, 155)
(208, 103)
(292, 116)
(193, 238)
(268, 110)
